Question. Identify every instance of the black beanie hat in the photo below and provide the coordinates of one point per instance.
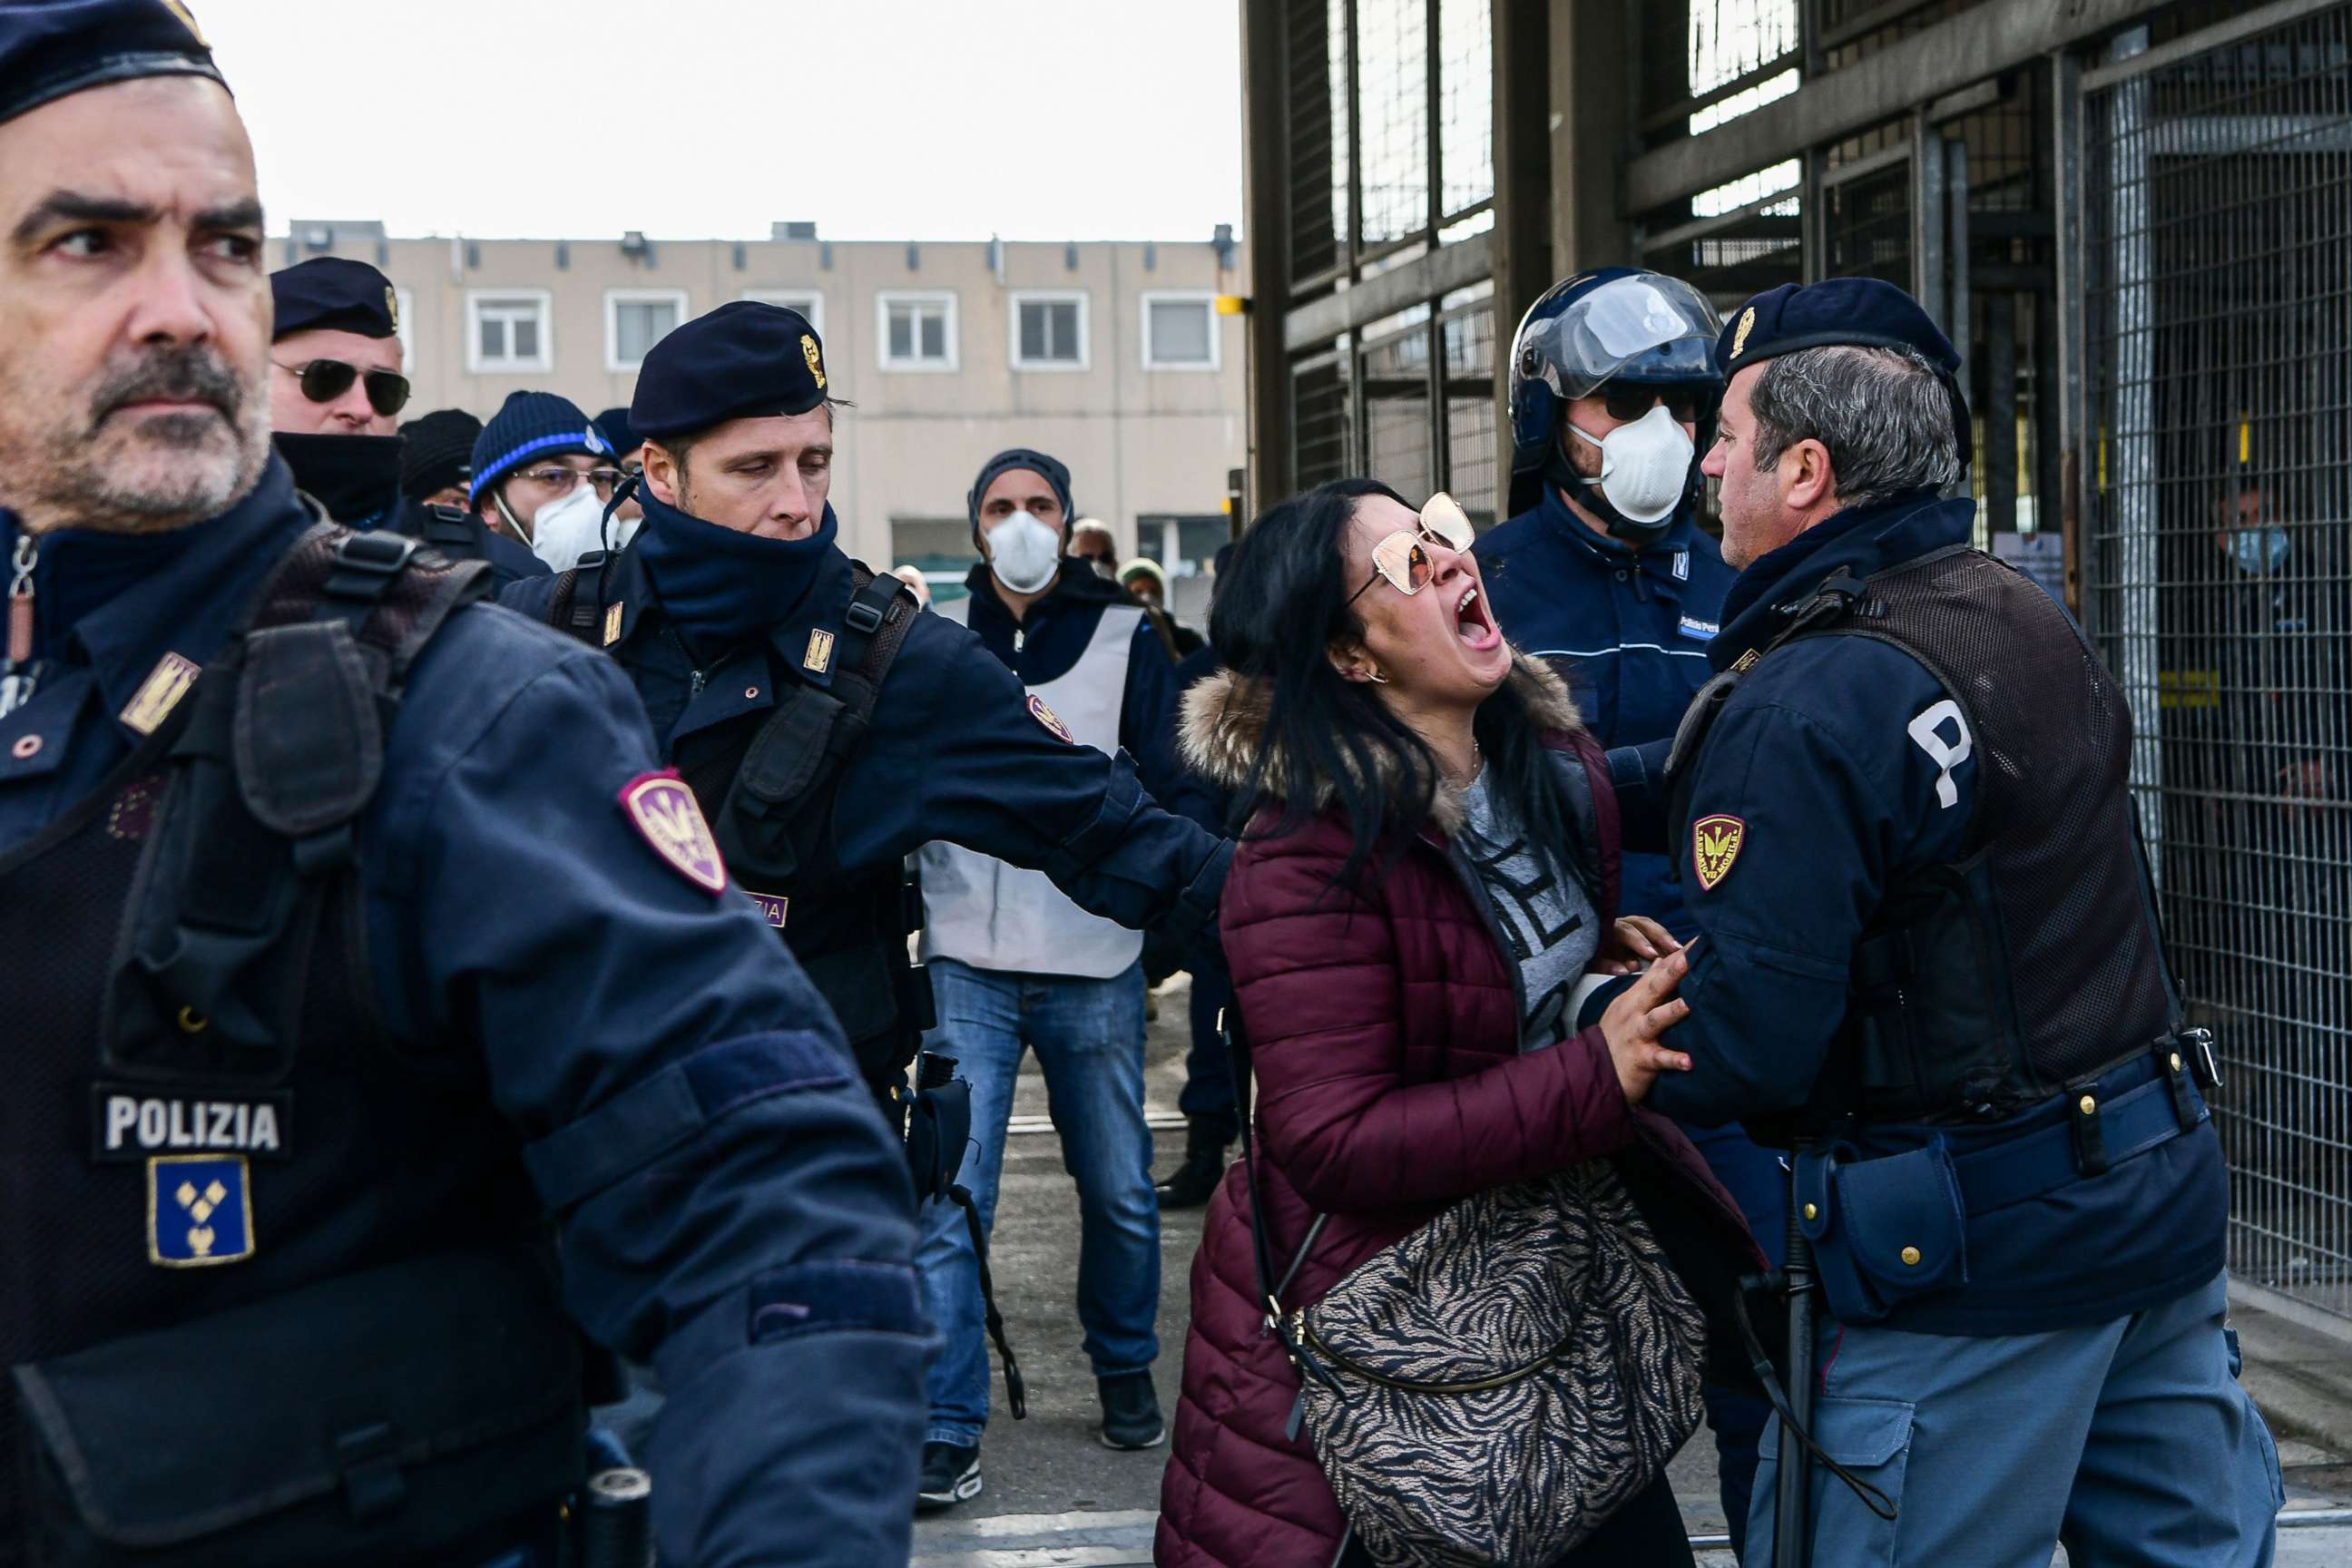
(440, 452)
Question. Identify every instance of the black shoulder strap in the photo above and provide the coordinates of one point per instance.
(280, 751)
(1830, 603)
(812, 733)
(450, 531)
(580, 614)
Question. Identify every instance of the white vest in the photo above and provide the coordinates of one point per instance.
(981, 911)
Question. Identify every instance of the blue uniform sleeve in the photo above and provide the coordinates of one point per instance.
(1833, 769)
(956, 754)
(730, 1204)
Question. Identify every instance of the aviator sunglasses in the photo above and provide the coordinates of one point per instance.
(324, 380)
(1399, 557)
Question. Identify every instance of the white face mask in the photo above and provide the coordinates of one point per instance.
(568, 529)
(1644, 466)
(1024, 553)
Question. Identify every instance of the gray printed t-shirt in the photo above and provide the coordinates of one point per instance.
(1549, 926)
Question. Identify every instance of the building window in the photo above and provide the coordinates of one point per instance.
(1049, 332)
(509, 329)
(807, 301)
(638, 319)
(917, 332)
(1180, 332)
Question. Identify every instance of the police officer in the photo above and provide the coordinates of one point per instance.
(1605, 574)
(828, 725)
(747, 631)
(335, 383)
(356, 952)
(1928, 959)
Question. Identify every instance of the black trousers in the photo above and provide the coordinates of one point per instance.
(1645, 1533)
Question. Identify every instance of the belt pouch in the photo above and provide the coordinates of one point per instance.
(381, 1416)
(1886, 1231)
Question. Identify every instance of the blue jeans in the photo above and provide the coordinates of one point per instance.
(1088, 1037)
(2130, 1441)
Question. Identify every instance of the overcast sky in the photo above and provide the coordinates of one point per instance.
(708, 119)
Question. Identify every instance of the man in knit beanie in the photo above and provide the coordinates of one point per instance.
(436, 467)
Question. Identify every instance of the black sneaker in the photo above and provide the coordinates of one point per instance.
(1130, 1413)
(1195, 1181)
(951, 1476)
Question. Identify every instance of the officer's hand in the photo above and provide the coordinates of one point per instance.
(1633, 942)
(1632, 1022)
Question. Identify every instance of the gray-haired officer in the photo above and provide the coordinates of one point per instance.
(335, 383)
(1927, 958)
(356, 952)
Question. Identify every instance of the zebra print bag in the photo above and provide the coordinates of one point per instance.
(1487, 1391)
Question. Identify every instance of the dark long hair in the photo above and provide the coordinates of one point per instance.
(1278, 607)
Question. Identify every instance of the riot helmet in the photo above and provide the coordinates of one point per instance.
(1626, 327)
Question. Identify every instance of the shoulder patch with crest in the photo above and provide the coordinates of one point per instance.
(1714, 845)
(663, 812)
(1048, 718)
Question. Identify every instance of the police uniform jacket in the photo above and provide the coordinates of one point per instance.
(1626, 627)
(1833, 798)
(953, 752)
(731, 1207)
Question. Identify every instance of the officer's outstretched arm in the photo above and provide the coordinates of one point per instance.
(732, 1207)
(969, 759)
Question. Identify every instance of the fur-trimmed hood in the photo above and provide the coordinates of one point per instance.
(1225, 716)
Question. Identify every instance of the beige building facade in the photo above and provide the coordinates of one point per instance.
(1110, 356)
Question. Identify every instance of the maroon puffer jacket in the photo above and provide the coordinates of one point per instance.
(1391, 1084)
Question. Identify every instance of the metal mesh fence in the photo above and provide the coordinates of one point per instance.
(1319, 420)
(1473, 446)
(2218, 251)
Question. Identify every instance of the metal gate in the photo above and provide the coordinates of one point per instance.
(2215, 211)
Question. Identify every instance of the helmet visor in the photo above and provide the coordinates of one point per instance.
(1647, 328)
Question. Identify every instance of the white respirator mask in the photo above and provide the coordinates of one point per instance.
(1644, 466)
(568, 529)
(1024, 553)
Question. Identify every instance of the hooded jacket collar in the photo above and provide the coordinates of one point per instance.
(1075, 584)
(1225, 718)
(1861, 539)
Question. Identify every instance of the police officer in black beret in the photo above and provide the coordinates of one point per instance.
(335, 386)
(829, 727)
(1928, 960)
(355, 950)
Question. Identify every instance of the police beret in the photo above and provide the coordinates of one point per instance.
(745, 360)
(1051, 470)
(329, 293)
(1860, 311)
(50, 48)
(530, 426)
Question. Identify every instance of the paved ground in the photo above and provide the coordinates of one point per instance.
(1056, 1499)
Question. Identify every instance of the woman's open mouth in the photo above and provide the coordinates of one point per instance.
(1472, 624)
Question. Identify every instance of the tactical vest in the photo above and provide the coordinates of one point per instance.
(253, 1237)
(2033, 962)
(767, 780)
